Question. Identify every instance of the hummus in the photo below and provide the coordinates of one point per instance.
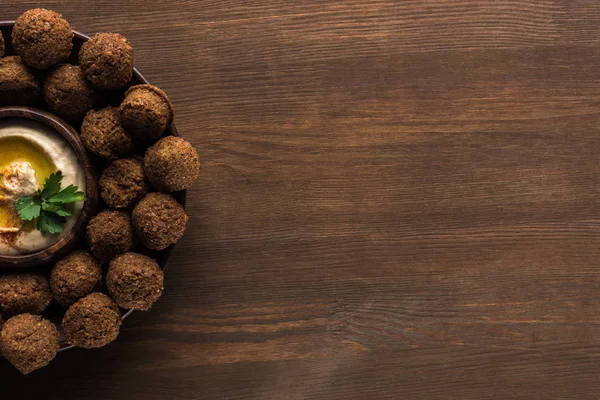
(29, 152)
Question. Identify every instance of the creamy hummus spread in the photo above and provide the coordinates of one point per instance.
(29, 153)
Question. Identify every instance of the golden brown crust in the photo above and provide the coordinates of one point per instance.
(172, 164)
(42, 38)
(107, 61)
(68, 94)
(24, 293)
(19, 85)
(109, 234)
(123, 183)
(159, 221)
(134, 281)
(29, 342)
(92, 322)
(146, 112)
(103, 135)
(74, 277)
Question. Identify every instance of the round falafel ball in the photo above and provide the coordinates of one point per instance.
(172, 164)
(123, 183)
(103, 134)
(2, 47)
(18, 84)
(109, 234)
(74, 277)
(24, 293)
(146, 112)
(42, 38)
(107, 61)
(134, 281)
(67, 93)
(159, 221)
(92, 322)
(29, 342)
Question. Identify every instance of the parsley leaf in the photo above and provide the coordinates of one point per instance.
(50, 223)
(59, 209)
(69, 195)
(29, 208)
(52, 185)
(50, 206)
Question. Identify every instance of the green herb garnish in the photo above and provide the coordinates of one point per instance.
(50, 205)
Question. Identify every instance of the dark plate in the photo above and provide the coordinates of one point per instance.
(55, 312)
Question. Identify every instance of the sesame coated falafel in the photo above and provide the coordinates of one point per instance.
(107, 61)
(19, 85)
(24, 293)
(171, 164)
(103, 134)
(29, 342)
(159, 221)
(67, 92)
(146, 112)
(92, 322)
(123, 183)
(134, 281)
(74, 277)
(109, 234)
(42, 38)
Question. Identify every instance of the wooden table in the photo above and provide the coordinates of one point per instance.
(399, 200)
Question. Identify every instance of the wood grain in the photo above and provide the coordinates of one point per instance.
(398, 201)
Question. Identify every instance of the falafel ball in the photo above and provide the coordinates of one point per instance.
(24, 293)
(123, 183)
(2, 47)
(42, 38)
(159, 221)
(146, 112)
(74, 277)
(107, 61)
(134, 281)
(18, 84)
(103, 134)
(172, 164)
(92, 322)
(109, 234)
(29, 342)
(68, 94)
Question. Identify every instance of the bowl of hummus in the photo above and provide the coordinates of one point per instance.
(37, 151)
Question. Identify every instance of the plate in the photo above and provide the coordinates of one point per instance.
(54, 312)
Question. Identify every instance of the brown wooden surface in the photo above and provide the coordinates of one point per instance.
(399, 200)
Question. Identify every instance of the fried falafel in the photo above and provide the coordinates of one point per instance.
(123, 183)
(103, 134)
(19, 85)
(29, 342)
(24, 293)
(159, 221)
(172, 164)
(107, 61)
(146, 112)
(92, 322)
(109, 234)
(74, 277)
(42, 38)
(134, 281)
(68, 93)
